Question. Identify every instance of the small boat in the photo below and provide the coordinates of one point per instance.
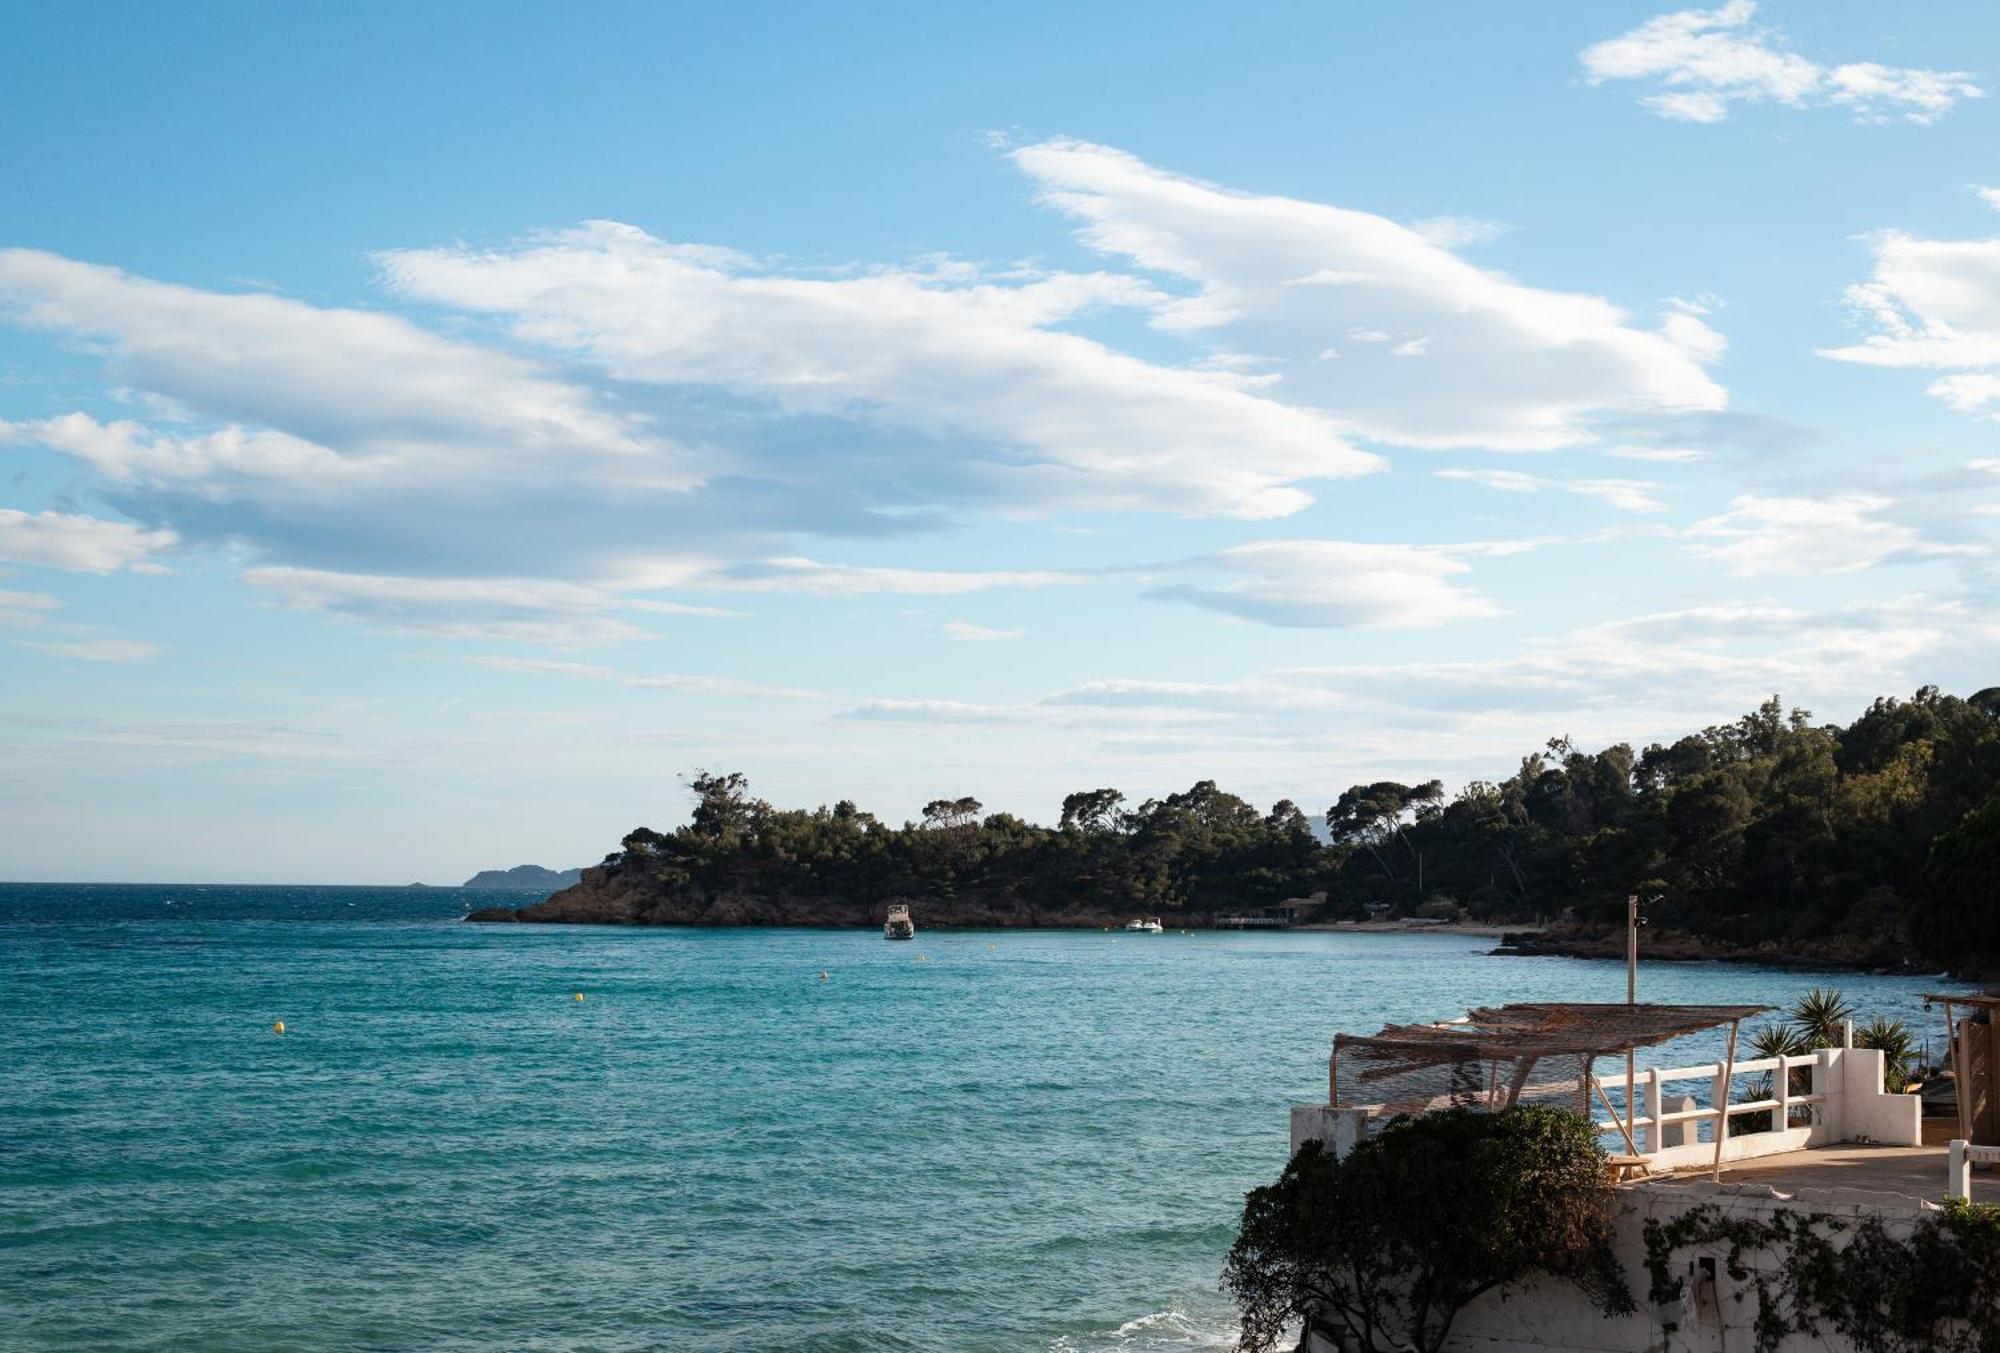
(899, 926)
(1149, 924)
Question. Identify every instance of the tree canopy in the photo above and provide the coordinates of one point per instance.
(1390, 1242)
(1772, 829)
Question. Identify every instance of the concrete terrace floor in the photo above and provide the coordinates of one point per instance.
(1913, 1171)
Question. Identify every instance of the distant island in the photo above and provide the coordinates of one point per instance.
(1772, 837)
(525, 878)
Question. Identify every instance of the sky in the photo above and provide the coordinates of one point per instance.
(429, 433)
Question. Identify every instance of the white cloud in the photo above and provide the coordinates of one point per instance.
(1706, 60)
(1504, 365)
(711, 410)
(679, 683)
(228, 463)
(1052, 416)
(24, 610)
(1840, 533)
(358, 383)
(1456, 232)
(814, 578)
(1674, 455)
(78, 544)
(1332, 584)
(979, 634)
(1931, 304)
(1627, 495)
(94, 649)
(1667, 671)
(524, 610)
(1968, 391)
(931, 711)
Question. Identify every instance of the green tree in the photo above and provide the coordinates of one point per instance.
(1958, 917)
(1390, 1243)
(1092, 810)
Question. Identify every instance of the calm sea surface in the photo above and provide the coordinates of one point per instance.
(982, 1140)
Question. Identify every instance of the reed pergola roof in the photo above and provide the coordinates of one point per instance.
(1982, 1000)
(1421, 1065)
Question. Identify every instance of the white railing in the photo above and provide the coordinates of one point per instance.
(1843, 1101)
(1959, 1163)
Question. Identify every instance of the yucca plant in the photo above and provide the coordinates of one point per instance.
(1818, 1015)
(1773, 1040)
(1897, 1043)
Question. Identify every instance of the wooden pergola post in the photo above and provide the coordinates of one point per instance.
(1722, 1102)
(1624, 1128)
(1954, 1048)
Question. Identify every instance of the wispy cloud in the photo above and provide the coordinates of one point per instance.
(1334, 294)
(94, 648)
(526, 610)
(1627, 495)
(1705, 61)
(1332, 584)
(1840, 533)
(74, 543)
(679, 683)
(968, 632)
(815, 578)
(1931, 305)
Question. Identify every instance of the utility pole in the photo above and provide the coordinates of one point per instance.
(1631, 999)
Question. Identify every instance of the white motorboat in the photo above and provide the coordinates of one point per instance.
(899, 926)
(1149, 925)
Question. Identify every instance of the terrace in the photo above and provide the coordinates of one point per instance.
(1818, 1122)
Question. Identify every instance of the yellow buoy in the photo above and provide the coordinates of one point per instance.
(579, 995)
(278, 1028)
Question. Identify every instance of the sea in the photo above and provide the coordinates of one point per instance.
(735, 1139)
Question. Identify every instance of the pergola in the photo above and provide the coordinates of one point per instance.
(1485, 1059)
(1955, 1049)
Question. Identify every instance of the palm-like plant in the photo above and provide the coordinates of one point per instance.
(1897, 1043)
(1818, 1015)
(1774, 1040)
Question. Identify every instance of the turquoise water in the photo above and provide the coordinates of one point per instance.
(982, 1140)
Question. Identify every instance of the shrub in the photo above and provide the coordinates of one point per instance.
(1391, 1242)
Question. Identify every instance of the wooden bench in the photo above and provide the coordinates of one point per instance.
(1628, 1167)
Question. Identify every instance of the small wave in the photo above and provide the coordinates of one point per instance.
(1172, 1328)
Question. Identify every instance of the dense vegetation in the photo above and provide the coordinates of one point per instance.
(1388, 1243)
(1772, 829)
(1187, 854)
(1933, 1287)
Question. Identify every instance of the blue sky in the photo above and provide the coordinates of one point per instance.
(427, 432)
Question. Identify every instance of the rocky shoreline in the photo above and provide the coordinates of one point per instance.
(605, 898)
(1885, 957)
